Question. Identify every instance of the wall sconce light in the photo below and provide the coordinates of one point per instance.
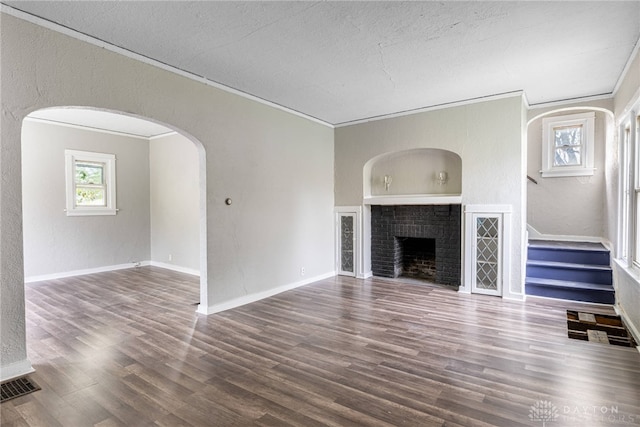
(442, 177)
(387, 182)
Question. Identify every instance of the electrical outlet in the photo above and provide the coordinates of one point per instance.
(302, 271)
(170, 257)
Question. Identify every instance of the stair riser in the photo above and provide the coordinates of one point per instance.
(600, 297)
(571, 256)
(571, 274)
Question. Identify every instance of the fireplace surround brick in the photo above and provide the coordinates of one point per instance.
(439, 222)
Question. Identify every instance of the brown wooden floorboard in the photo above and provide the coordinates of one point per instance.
(126, 348)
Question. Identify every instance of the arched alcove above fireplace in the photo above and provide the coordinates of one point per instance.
(416, 176)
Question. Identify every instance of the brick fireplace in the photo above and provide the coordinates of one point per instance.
(422, 241)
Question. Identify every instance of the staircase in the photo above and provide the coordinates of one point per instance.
(578, 271)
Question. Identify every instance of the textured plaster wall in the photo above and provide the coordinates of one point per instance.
(277, 167)
(175, 202)
(569, 206)
(488, 137)
(57, 243)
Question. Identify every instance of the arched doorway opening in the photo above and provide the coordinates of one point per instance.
(159, 215)
(571, 207)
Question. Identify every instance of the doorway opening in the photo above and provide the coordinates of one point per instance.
(159, 187)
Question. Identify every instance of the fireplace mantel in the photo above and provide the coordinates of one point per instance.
(414, 199)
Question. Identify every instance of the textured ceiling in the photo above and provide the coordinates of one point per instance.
(346, 61)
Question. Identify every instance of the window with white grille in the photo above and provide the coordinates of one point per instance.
(90, 183)
(567, 145)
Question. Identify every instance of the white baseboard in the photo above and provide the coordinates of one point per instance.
(64, 274)
(515, 297)
(366, 275)
(73, 273)
(15, 370)
(247, 299)
(175, 268)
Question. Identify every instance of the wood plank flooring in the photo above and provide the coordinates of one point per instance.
(126, 348)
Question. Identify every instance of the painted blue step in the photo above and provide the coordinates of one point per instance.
(576, 291)
(571, 252)
(568, 271)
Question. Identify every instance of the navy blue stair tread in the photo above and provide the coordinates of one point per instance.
(539, 281)
(578, 271)
(562, 245)
(567, 265)
(584, 295)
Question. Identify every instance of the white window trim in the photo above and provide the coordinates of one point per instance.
(587, 120)
(628, 216)
(109, 160)
(624, 198)
(633, 229)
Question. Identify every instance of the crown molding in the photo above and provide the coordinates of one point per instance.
(469, 101)
(571, 101)
(627, 66)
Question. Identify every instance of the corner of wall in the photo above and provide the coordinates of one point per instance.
(15, 370)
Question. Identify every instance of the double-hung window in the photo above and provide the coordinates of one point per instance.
(631, 133)
(567, 145)
(629, 219)
(90, 183)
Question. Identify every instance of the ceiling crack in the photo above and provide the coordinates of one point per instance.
(384, 65)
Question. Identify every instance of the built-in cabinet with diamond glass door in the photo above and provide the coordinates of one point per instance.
(485, 249)
(346, 240)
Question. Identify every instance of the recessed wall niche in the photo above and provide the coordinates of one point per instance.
(422, 171)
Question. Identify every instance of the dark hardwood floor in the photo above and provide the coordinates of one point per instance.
(126, 348)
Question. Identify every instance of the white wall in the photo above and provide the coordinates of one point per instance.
(276, 166)
(175, 202)
(57, 243)
(568, 206)
(488, 137)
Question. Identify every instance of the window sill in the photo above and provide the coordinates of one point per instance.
(557, 173)
(91, 212)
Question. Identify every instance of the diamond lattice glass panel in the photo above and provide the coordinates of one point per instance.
(487, 227)
(346, 243)
(487, 250)
(487, 275)
(568, 143)
(487, 253)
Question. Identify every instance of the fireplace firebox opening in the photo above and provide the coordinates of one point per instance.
(416, 258)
